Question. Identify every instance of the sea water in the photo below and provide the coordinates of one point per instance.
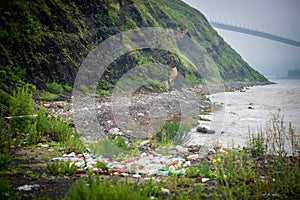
(244, 112)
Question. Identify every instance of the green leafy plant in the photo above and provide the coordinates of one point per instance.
(61, 168)
(67, 88)
(120, 142)
(71, 142)
(47, 128)
(94, 188)
(21, 109)
(104, 147)
(148, 87)
(47, 96)
(202, 171)
(102, 166)
(4, 189)
(5, 158)
(234, 171)
(280, 151)
(103, 92)
(173, 132)
(54, 88)
(39, 128)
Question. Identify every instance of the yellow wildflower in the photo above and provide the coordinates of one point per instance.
(218, 159)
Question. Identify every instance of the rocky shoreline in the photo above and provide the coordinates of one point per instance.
(98, 116)
(145, 158)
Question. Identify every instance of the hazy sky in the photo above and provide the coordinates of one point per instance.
(278, 17)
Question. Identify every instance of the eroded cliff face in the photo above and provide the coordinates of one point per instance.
(47, 40)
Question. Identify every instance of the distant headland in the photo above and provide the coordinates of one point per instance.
(293, 74)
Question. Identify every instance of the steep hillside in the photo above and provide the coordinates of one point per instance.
(46, 40)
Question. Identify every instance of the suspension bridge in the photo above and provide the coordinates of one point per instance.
(257, 33)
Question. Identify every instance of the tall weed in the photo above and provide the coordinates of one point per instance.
(21, 107)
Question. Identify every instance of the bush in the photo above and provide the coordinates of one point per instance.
(54, 130)
(46, 128)
(277, 138)
(173, 132)
(4, 188)
(71, 142)
(104, 147)
(5, 159)
(120, 142)
(21, 107)
(103, 93)
(61, 168)
(202, 171)
(67, 88)
(54, 87)
(46, 96)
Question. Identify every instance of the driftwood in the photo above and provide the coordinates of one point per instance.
(22, 116)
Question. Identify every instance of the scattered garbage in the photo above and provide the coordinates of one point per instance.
(165, 191)
(28, 187)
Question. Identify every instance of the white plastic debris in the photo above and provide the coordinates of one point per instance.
(28, 187)
(165, 191)
(136, 176)
(203, 180)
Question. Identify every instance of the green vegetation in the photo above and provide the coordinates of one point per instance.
(173, 132)
(104, 147)
(5, 141)
(21, 111)
(46, 96)
(61, 168)
(54, 88)
(4, 188)
(202, 171)
(103, 93)
(40, 43)
(67, 88)
(120, 142)
(112, 189)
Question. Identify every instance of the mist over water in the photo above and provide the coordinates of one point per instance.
(250, 110)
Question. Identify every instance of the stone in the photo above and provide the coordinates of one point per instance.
(194, 148)
(124, 174)
(201, 129)
(187, 164)
(211, 150)
(144, 154)
(143, 143)
(141, 172)
(84, 109)
(136, 176)
(193, 157)
(114, 131)
(181, 149)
